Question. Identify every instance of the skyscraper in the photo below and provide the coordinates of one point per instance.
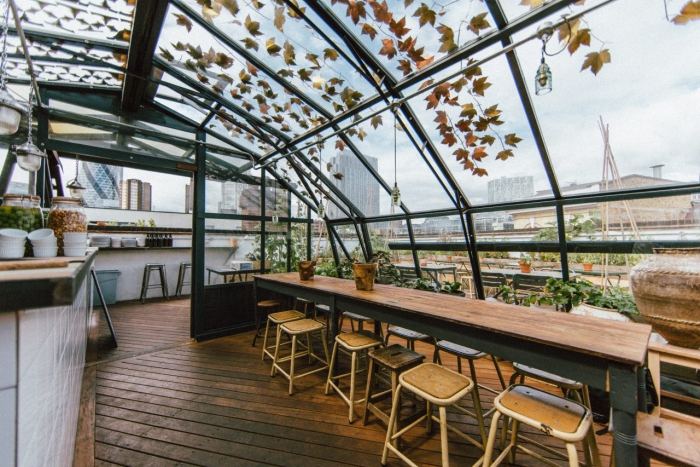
(135, 195)
(358, 184)
(101, 184)
(189, 198)
(230, 197)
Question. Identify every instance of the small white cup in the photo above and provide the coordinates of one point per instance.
(78, 251)
(45, 252)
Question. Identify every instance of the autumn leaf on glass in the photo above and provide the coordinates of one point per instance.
(183, 20)
(253, 27)
(468, 111)
(230, 5)
(478, 22)
(689, 12)
(425, 15)
(596, 60)
(388, 49)
(512, 140)
(279, 18)
(356, 10)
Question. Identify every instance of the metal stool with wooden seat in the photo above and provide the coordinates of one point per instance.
(146, 284)
(181, 278)
(438, 386)
(303, 305)
(294, 329)
(470, 355)
(267, 307)
(555, 416)
(352, 343)
(397, 359)
(410, 336)
(277, 319)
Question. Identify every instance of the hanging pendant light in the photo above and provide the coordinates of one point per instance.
(29, 156)
(395, 192)
(10, 109)
(543, 78)
(74, 186)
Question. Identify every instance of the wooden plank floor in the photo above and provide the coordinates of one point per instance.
(214, 403)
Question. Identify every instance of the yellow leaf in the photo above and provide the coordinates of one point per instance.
(272, 48)
(690, 12)
(279, 18)
(596, 60)
(478, 23)
(512, 140)
(317, 82)
(582, 37)
(532, 3)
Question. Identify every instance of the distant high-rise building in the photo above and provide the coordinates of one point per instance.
(101, 184)
(189, 198)
(506, 189)
(230, 197)
(357, 184)
(135, 195)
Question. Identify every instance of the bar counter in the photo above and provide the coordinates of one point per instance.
(605, 355)
(44, 316)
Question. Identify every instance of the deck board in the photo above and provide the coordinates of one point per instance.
(164, 400)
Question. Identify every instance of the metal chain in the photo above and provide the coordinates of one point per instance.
(30, 107)
(5, 27)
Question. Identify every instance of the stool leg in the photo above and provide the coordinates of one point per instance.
(164, 283)
(273, 372)
(353, 368)
(390, 426)
(368, 390)
(573, 455)
(477, 403)
(267, 329)
(443, 436)
(514, 441)
(291, 368)
(330, 370)
(178, 288)
(144, 284)
(324, 342)
(488, 453)
(498, 372)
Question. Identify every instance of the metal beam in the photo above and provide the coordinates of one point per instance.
(149, 17)
(53, 37)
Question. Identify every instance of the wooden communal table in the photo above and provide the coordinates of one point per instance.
(604, 356)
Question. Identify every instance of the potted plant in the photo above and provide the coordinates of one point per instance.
(452, 288)
(565, 294)
(615, 299)
(588, 260)
(424, 283)
(525, 262)
(364, 274)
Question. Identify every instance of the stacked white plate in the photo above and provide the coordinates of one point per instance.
(100, 241)
(12, 243)
(116, 242)
(44, 243)
(74, 243)
(129, 242)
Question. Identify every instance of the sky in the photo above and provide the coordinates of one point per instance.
(649, 95)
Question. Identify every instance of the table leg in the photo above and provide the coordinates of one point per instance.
(209, 279)
(624, 403)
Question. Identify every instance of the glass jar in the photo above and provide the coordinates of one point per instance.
(66, 215)
(21, 212)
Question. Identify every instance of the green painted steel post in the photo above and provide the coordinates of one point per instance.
(197, 303)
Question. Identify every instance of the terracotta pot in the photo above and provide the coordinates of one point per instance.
(306, 270)
(588, 267)
(449, 258)
(364, 275)
(526, 268)
(666, 288)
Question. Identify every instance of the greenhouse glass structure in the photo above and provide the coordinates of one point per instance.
(474, 133)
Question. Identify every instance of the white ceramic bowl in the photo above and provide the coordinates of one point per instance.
(40, 235)
(75, 236)
(74, 243)
(12, 242)
(45, 243)
(11, 252)
(45, 251)
(80, 251)
(12, 234)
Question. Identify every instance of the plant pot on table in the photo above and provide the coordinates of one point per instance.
(364, 275)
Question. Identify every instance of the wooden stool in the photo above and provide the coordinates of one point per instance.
(397, 359)
(410, 336)
(470, 355)
(569, 387)
(438, 386)
(146, 284)
(294, 329)
(351, 342)
(266, 306)
(278, 318)
(181, 278)
(555, 416)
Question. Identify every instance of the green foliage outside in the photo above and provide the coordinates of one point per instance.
(276, 249)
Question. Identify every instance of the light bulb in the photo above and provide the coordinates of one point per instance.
(543, 79)
(396, 195)
(320, 209)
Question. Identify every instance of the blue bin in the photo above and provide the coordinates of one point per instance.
(108, 285)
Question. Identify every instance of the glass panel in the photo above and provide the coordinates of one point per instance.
(56, 72)
(508, 166)
(236, 197)
(648, 116)
(437, 29)
(277, 251)
(225, 254)
(348, 236)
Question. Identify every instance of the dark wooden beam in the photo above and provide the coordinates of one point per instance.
(149, 16)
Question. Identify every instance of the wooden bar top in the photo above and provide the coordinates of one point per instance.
(616, 341)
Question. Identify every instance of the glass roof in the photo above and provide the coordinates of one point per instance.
(272, 82)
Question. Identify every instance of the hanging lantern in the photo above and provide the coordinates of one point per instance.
(29, 156)
(543, 79)
(275, 216)
(396, 196)
(320, 209)
(75, 188)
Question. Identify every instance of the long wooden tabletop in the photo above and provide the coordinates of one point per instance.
(616, 341)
